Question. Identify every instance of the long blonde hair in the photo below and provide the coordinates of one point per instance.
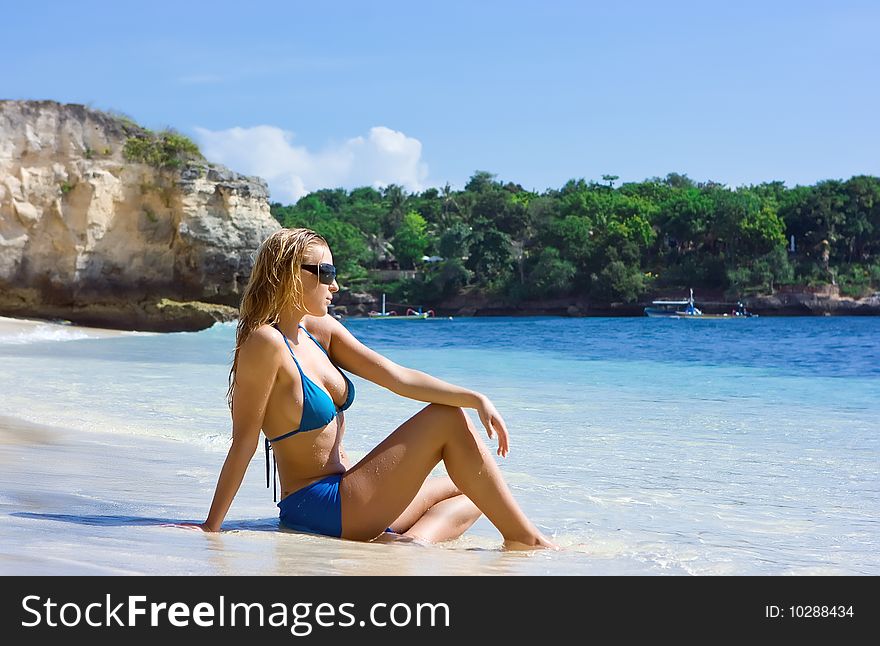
(274, 285)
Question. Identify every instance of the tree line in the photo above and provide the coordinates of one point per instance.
(593, 239)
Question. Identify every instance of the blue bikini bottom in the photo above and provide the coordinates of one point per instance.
(316, 508)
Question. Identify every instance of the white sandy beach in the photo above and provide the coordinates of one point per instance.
(100, 503)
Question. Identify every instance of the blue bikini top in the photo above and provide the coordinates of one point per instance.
(319, 409)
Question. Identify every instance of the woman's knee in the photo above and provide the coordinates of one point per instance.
(442, 487)
(451, 419)
(472, 510)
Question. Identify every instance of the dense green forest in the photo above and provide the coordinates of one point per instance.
(609, 243)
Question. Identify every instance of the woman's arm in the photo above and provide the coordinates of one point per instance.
(255, 375)
(349, 353)
(354, 356)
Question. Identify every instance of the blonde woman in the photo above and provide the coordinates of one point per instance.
(286, 382)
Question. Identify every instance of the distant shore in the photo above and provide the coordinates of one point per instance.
(794, 303)
(349, 305)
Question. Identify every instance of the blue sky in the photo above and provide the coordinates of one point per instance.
(313, 95)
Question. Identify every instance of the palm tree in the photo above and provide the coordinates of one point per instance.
(380, 248)
(610, 179)
(449, 204)
(396, 206)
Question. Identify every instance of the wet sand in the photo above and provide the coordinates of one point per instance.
(90, 503)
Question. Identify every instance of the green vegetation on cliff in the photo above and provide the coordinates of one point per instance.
(589, 238)
(165, 149)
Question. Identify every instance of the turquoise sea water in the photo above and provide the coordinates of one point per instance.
(664, 446)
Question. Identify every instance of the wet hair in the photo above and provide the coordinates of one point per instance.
(274, 285)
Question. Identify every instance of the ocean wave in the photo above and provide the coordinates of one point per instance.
(49, 332)
(43, 333)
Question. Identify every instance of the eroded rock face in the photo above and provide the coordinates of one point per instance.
(88, 236)
(807, 304)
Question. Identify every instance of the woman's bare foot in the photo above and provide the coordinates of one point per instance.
(397, 538)
(541, 543)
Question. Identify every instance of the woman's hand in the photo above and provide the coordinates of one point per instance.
(494, 423)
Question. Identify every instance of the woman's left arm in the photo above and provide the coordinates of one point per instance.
(354, 356)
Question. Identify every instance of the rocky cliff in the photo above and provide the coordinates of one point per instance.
(812, 304)
(90, 236)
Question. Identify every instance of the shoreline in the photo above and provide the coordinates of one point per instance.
(23, 330)
(78, 502)
(783, 302)
(13, 327)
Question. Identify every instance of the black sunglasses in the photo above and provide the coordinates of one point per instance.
(325, 271)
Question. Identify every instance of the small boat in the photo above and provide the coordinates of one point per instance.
(410, 313)
(669, 309)
(673, 309)
(685, 309)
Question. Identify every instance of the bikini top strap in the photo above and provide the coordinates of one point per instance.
(315, 340)
(287, 343)
(274, 471)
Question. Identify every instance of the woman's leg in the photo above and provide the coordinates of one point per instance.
(378, 489)
(445, 521)
(432, 491)
(439, 512)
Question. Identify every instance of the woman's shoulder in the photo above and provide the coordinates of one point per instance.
(263, 343)
(320, 327)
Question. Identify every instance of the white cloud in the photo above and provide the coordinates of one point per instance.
(383, 157)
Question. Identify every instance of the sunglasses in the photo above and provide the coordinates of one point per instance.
(325, 271)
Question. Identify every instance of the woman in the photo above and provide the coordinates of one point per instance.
(285, 382)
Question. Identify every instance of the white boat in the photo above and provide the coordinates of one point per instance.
(685, 309)
(673, 309)
(410, 313)
(668, 309)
